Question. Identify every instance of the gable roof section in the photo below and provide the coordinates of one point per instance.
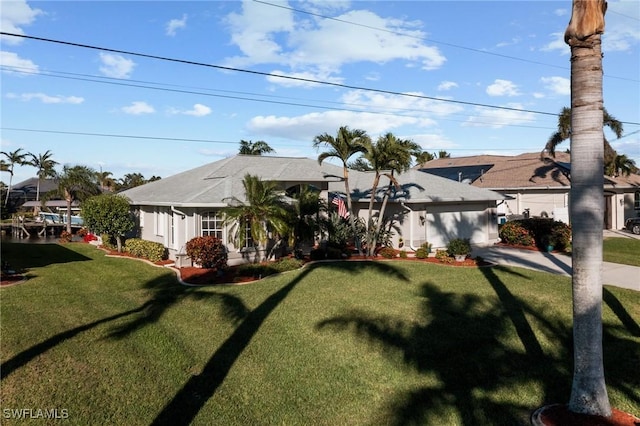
(416, 187)
(210, 184)
(502, 172)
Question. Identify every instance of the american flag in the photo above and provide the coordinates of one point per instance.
(342, 207)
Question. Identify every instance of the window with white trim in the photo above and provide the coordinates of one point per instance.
(211, 224)
(636, 200)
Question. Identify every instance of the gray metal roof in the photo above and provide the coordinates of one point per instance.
(211, 184)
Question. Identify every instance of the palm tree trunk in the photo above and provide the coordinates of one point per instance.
(589, 392)
(352, 220)
(6, 200)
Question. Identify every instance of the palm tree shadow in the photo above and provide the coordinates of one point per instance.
(190, 399)
(165, 294)
(468, 366)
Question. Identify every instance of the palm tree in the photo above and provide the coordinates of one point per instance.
(45, 166)
(105, 180)
(264, 210)
(621, 165)
(13, 158)
(132, 180)
(254, 148)
(75, 183)
(389, 155)
(564, 132)
(346, 144)
(583, 35)
(306, 213)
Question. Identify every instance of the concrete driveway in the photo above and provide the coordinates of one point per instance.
(614, 274)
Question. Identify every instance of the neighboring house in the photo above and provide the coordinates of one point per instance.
(27, 190)
(186, 205)
(537, 186)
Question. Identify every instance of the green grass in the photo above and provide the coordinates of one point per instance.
(622, 250)
(117, 341)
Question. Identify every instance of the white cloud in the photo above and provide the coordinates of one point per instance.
(447, 85)
(498, 118)
(561, 12)
(116, 66)
(557, 44)
(198, 110)
(138, 108)
(321, 46)
(413, 104)
(502, 88)
(22, 66)
(557, 85)
(16, 14)
(46, 99)
(176, 24)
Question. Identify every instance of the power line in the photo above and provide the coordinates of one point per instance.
(125, 83)
(457, 46)
(306, 80)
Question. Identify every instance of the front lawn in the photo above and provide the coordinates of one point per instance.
(117, 341)
(622, 250)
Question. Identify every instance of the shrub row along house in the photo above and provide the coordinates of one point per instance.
(423, 208)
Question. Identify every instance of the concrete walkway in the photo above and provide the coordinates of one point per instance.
(615, 274)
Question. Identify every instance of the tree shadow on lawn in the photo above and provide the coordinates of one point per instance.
(24, 256)
(462, 343)
(190, 399)
(165, 292)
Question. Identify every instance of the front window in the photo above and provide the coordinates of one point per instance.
(248, 240)
(212, 225)
(636, 200)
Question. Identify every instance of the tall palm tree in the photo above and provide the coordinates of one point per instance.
(75, 183)
(264, 210)
(621, 165)
(343, 146)
(306, 214)
(13, 158)
(45, 166)
(254, 148)
(132, 180)
(391, 155)
(564, 132)
(583, 35)
(105, 180)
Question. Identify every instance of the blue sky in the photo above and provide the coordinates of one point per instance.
(482, 77)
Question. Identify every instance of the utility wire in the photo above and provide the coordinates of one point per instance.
(457, 46)
(306, 80)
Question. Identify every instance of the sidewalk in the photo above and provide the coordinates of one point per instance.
(615, 274)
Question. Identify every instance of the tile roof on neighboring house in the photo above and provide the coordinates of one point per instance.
(527, 170)
(212, 184)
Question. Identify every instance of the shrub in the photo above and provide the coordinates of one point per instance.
(514, 233)
(443, 256)
(82, 232)
(208, 252)
(387, 252)
(423, 251)
(145, 249)
(403, 254)
(65, 237)
(108, 242)
(263, 269)
(89, 237)
(459, 246)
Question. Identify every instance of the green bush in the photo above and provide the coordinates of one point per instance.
(459, 246)
(514, 233)
(387, 252)
(403, 254)
(537, 232)
(423, 251)
(208, 252)
(149, 250)
(261, 270)
(443, 256)
(108, 242)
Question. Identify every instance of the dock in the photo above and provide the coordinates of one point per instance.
(22, 228)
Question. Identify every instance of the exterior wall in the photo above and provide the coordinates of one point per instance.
(540, 202)
(440, 223)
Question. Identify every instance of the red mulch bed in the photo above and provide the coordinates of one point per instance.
(559, 415)
(11, 279)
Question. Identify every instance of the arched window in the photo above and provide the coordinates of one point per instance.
(211, 224)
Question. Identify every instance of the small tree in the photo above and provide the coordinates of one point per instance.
(108, 214)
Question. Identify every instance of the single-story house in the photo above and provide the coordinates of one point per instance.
(537, 186)
(177, 208)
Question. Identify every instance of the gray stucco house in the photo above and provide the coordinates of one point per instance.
(177, 208)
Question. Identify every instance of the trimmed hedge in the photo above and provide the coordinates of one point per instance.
(149, 250)
(208, 252)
